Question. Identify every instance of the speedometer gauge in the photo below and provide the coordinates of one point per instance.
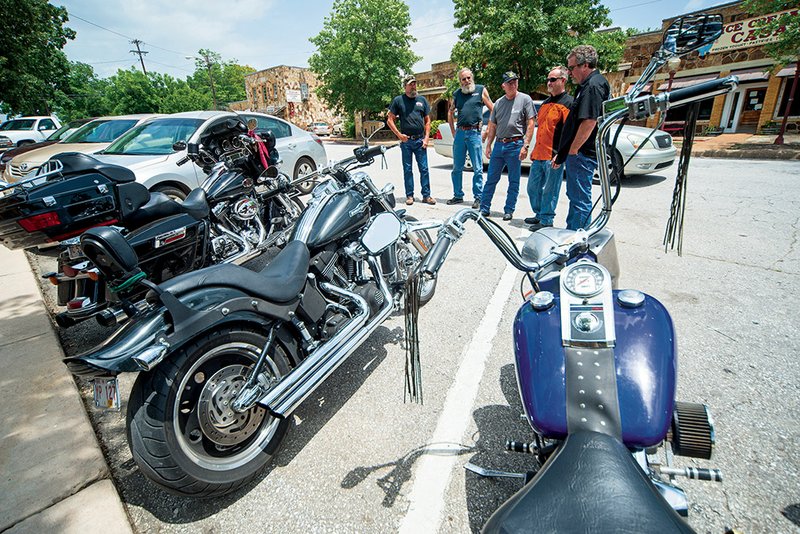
(584, 280)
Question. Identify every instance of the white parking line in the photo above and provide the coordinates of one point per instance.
(432, 474)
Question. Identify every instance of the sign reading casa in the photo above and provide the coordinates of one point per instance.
(747, 33)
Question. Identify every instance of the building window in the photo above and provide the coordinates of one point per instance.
(264, 92)
(304, 91)
(275, 90)
(679, 113)
(787, 87)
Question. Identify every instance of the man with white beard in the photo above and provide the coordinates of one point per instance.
(468, 100)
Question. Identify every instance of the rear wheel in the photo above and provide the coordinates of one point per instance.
(181, 430)
(304, 166)
(174, 192)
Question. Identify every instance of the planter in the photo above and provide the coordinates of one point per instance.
(771, 130)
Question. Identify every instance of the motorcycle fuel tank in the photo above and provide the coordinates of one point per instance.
(342, 214)
(645, 358)
(225, 184)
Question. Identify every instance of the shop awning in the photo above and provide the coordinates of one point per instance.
(678, 83)
(757, 74)
(787, 71)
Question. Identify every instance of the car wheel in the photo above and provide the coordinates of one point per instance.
(304, 166)
(616, 172)
(171, 191)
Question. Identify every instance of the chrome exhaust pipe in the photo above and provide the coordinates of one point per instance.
(151, 356)
(285, 397)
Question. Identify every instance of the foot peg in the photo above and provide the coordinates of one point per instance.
(493, 473)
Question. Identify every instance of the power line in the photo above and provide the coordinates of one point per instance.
(636, 5)
(101, 27)
(172, 66)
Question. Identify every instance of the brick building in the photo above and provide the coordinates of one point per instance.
(287, 92)
(432, 84)
(764, 84)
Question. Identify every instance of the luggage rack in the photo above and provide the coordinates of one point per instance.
(40, 174)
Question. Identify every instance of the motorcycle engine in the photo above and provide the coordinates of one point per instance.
(245, 209)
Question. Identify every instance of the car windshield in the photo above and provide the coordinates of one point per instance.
(18, 124)
(101, 131)
(65, 130)
(155, 137)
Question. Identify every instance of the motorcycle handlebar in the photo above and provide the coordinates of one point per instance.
(701, 91)
(436, 255)
(364, 154)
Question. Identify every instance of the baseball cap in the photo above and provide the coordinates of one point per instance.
(509, 76)
(408, 79)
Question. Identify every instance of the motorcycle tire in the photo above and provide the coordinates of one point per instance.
(427, 287)
(179, 432)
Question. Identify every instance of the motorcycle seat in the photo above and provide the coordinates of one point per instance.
(160, 205)
(592, 484)
(75, 162)
(196, 204)
(280, 281)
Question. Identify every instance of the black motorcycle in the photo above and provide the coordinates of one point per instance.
(226, 354)
(242, 208)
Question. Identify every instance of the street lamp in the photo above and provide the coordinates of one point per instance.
(673, 64)
(210, 76)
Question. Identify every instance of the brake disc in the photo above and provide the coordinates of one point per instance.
(219, 422)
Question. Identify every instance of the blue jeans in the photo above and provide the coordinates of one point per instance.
(414, 146)
(579, 171)
(467, 142)
(544, 186)
(503, 154)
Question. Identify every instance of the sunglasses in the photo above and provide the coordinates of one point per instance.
(553, 80)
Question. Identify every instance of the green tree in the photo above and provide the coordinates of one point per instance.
(84, 95)
(529, 37)
(33, 67)
(362, 51)
(228, 77)
(130, 91)
(180, 96)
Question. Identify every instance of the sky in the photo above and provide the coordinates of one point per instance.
(266, 33)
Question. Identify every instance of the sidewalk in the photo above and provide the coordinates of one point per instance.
(745, 146)
(53, 477)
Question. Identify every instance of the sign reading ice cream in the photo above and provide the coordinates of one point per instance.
(748, 32)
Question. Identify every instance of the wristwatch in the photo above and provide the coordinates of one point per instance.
(526, 146)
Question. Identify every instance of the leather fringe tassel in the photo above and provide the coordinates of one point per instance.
(413, 371)
(673, 234)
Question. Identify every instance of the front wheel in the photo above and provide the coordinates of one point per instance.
(182, 432)
(304, 166)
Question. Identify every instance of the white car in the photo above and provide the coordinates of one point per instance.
(659, 152)
(150, 149)
(319, 128)
(26, 130)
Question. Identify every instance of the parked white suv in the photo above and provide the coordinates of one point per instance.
(26, 130)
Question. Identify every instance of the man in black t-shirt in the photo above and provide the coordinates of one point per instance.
(580, 129)
(415, 125)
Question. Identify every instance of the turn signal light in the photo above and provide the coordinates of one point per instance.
(93, 275)
(38, 222)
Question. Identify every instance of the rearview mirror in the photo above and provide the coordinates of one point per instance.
(368, 128)
(177, 146)
(383, 231)
(689, 33)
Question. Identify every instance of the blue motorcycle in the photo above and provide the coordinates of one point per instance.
(597, 366)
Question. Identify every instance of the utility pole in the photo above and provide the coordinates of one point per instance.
(140, 53)
(210, 76)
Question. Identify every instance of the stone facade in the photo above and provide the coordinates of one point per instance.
(432, 84)
(729, 112)
(266, 92)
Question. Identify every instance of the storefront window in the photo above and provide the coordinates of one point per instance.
(679, 113)
(787, 87)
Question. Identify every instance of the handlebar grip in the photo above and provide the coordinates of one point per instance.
(435, 257)
(182, 161)
(366, 153)
(701, 91)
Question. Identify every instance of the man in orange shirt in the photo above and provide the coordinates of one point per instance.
(544, 182)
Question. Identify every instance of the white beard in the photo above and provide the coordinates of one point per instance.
(469, 89)
(412, 94)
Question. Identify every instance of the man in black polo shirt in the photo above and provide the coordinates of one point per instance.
(580, 129)
(415, 126)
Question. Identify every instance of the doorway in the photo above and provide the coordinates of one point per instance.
(743, 109)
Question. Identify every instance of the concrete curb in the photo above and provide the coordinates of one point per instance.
(54, 475)
(750, 153)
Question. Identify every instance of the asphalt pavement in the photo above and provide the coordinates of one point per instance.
(359, 459)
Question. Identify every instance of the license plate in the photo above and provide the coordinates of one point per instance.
(106, 393)
(75, 252)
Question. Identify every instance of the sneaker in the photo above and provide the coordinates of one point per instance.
(429, 200)
(508, 216)
(409, 201)
(531, 220)
(476, 204)
(455, 200)
(539, 226)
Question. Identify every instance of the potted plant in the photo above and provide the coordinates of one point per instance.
(712, 131)
(770, 128)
